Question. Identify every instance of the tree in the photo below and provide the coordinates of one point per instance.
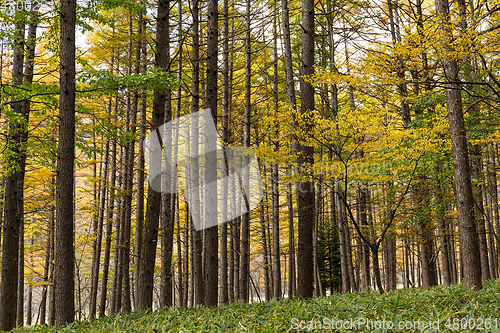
(13, 192)
(245, 218)
(211, 240)
(469, 241)
(150, 237)
(64, 251)
(304, 189)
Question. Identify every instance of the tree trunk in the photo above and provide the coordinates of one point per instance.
(245, 219)
(197, 242)
(43, 301)
(267, 285)
(212, 233)
(116, 294)
(182, 266)
(492, 180)
(139, 223)
(65, 256)
(96, 257)
(365, 248)
(305, 189)
(28, 78)
(20, 266)
(224, 297)
(13, 219)
(443, 229)
(491, 232)
(150, 236)
(109, 224)
(477, 174)
(376, 269)
(469, 241)
(288, 55)
(167, 216)
(292, 280)
(274, 176)
(495, 196)
(402, 88)
(52, 314)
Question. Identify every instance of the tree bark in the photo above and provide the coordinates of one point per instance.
(109, 224)
(197, 242)
(212, 233)
(365, 248)
(274, 174)
(13, 219)
(65, 256)
(292, 276)
(477, 174)
(305, 189)
(139, 223)
(469, 241)
(150, 236)
(245, 219)
(167, 216)
(267, 284)
(224, 297)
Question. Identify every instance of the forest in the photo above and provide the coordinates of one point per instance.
(373, 124)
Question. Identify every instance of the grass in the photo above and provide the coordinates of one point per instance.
(400, 307)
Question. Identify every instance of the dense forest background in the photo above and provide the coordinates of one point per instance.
(375, 124)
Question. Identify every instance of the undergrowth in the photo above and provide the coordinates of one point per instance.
(449, 305)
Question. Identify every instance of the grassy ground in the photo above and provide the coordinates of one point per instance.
(413, 310)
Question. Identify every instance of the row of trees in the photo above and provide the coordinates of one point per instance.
(358, 111)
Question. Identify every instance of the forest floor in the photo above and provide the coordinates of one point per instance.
(451, 309)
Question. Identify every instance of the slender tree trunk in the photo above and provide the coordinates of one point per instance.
(477, 174)
(346, 281)
(224, 297)
(139, 222)
(182, 266)
(267, 289)
(212, 233)
(167, 215)
(495, 196)
(402, 88)
(494, 206)
(109, 224)
(245, 219)
(274, 175)
(491, 232)
(20, 266)
(443, 229)
(131, 119)
(96, 258)
(288, 54)
(116, 289)
(197, 242)
(304, 189)
(13, 219)
(28, 78)
(43, 300)
(365, 248)
(292, 280)
(52, 219)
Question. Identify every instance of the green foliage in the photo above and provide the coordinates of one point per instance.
(329, 256)
(439, 303)
(155, 78)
